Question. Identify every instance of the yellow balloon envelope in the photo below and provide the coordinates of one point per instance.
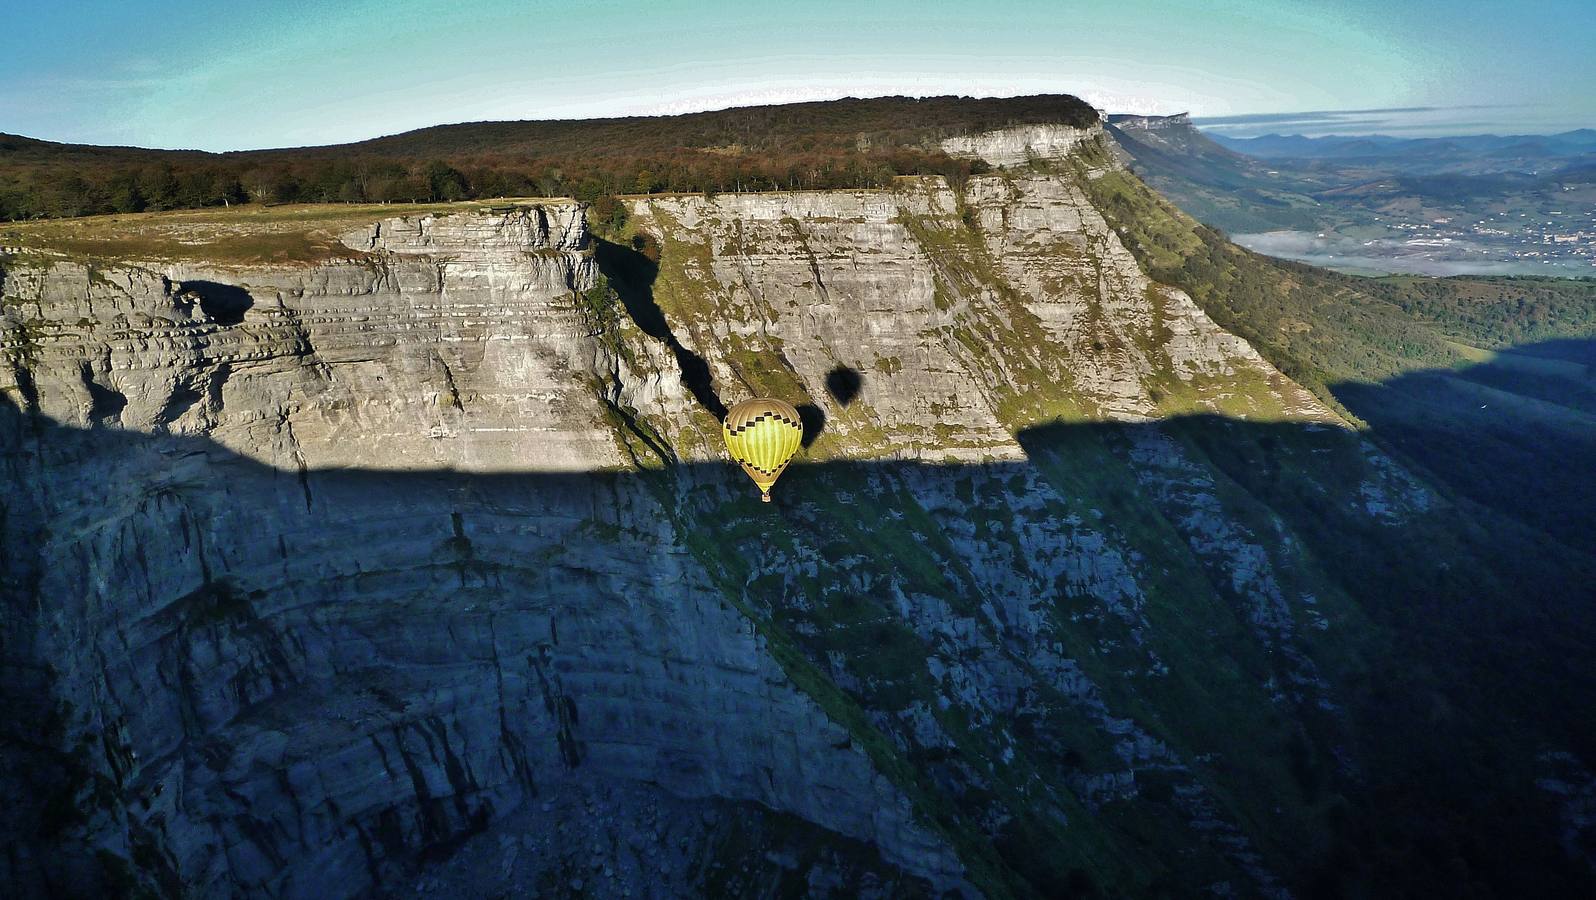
(763, 435)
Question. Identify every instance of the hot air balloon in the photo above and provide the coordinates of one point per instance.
(763, 434)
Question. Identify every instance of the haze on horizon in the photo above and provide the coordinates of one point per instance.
(184, 74)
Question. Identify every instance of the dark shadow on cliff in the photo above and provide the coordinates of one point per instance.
(814, 422)
(225, 304)
(844, 383)
(632, 274)
(1426, 773)
(105, 403)
(1516, 434)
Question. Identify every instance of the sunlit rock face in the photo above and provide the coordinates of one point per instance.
(959, 309)
(1019, 145)
(318, 575)
(368, 361)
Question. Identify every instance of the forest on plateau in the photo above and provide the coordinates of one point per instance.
(839, 144)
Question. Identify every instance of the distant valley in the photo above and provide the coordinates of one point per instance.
(1474, 205)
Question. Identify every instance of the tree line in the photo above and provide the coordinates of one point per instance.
(848, 143)
(118, 187)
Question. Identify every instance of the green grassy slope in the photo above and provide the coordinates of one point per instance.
(1397, 352)
(1220, 186)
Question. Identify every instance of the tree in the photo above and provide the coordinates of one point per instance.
(261, 186)
(126, 197)
(198, 188)
(550, 185)
(74, 196)
(445, 182)
(233, 191)
(607, 215)
(159, 185)
(589, 190)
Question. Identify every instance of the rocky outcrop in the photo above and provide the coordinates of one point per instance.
(1018, 145)
(943, 300)
(438, 346)
(1178, 121)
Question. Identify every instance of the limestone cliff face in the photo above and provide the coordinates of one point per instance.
(370, 360)
(1016, 146)
(1172, 134)
(1176, 122)
(313, 571)
(972, 317)
(355, 654)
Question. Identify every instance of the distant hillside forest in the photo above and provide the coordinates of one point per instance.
(832, 144)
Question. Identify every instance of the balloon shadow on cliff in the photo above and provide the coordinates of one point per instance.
(844, 383)
(631, 272)
(814, 422)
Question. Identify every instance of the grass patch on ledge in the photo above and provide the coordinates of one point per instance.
(249, 234)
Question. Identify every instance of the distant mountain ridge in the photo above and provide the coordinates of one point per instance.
(1472, 153)
(1209, 180)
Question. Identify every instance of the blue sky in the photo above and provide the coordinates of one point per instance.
(245, 74)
